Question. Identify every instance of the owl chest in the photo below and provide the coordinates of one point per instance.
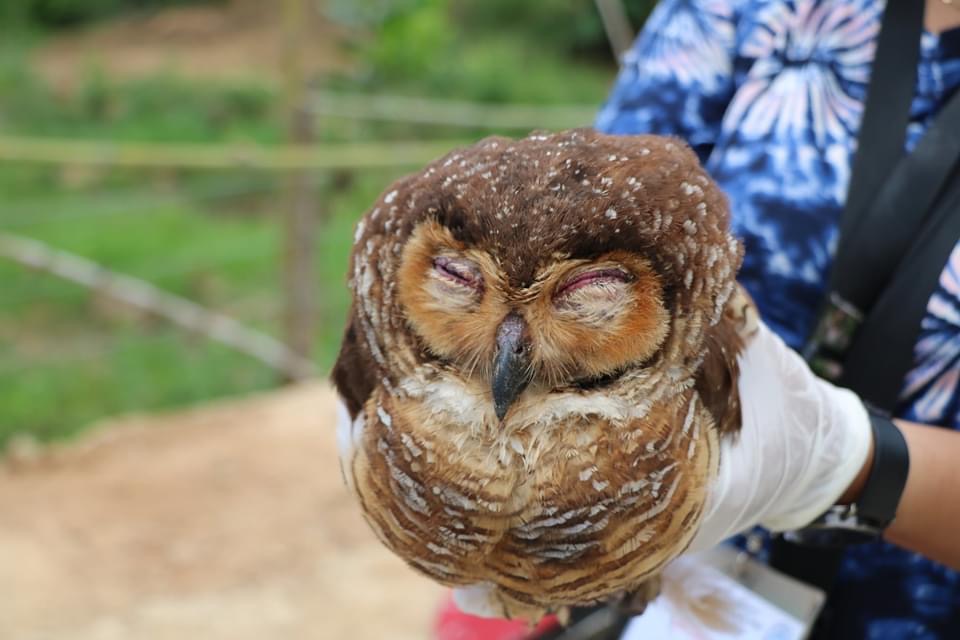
(533, 503)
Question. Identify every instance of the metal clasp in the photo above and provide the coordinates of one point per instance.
(827, 347)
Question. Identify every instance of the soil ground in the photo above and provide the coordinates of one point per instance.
(225, 522)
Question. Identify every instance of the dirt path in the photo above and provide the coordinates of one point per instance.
(229, 521)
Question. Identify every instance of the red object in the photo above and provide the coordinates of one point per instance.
(453, 624)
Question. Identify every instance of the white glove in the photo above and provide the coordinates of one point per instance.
(802, 443)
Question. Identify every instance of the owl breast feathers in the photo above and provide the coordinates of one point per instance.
(539, 361)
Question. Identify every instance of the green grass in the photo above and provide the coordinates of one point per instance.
(67, 357)
(129, 370)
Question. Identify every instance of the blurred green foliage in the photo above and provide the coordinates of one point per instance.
(562, 26)
(486, 50)
(499, 68)
(558, 26)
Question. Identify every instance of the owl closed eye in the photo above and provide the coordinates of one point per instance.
(576, 319)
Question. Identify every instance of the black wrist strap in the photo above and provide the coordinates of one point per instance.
(884, 486)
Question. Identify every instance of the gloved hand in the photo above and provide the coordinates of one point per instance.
(802, 443)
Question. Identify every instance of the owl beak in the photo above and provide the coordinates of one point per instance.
(511, 366)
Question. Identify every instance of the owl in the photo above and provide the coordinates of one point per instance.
(539, 362)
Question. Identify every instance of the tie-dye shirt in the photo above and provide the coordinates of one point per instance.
(770, 94)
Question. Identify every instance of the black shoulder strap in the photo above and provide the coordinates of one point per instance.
(886, 114)
(883, 350)
(891, 269)
(857, 273)
(873, 251)
(901, 260)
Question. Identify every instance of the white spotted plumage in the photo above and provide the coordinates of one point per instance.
(577, 493)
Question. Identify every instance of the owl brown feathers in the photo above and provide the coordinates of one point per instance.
(539, 361)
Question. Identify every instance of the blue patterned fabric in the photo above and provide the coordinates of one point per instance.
(770, 95)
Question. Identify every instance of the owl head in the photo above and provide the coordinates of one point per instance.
(551, 262)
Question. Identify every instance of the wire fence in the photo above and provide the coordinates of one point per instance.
(350, 156)
(142, 295)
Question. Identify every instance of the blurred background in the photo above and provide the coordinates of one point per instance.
(178, 185)
(128, 135)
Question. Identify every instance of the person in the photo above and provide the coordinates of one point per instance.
(770, 95)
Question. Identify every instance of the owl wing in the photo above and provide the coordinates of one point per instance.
(354, 373)
(717, 381)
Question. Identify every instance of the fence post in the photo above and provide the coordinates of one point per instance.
(302, 206)
(617, 26)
